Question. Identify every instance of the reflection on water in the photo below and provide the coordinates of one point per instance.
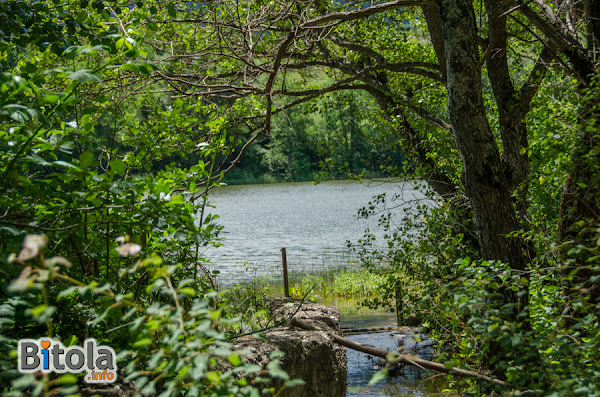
(411, 381)
(365, 318)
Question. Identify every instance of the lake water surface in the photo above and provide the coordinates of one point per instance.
(312, 221)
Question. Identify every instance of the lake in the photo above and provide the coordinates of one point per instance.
(312, 221)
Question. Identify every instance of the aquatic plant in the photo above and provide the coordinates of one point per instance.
(363, 283)
(343, 283)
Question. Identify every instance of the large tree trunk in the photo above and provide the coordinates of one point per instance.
(511, 111)
(434, 26)
(417, 149)
(486, 184)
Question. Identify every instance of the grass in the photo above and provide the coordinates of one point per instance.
(298, 268)
(355, 284)
(342, 284)
(334, 279)
(362, 284)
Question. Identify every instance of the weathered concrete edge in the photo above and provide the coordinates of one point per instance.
(309, 355)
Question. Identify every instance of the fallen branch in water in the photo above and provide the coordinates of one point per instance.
(401, 358)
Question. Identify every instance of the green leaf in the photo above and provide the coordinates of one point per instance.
(50, 99)
(36, 311)
(275, 370)
(377, 377)
(146, 67)
(276, 354)
(129, 42)
(11, 230)
(294, 382)
(187, 291)
(183, 371)
(72, 341)
(213, 377)
(19, 117)
(39, 160)
(75, 50)
(252, 369)
(23, 114)
(67, 379)
(178, 199)
(67, 165)
(171, 11)
(130, 66)
(143, 342)
(149, 389)
(43, 313)
(118, 166)
(235, 360)
(82, 76)
(134, 52)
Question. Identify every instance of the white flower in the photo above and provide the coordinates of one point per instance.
(32, 245)
(129, 249)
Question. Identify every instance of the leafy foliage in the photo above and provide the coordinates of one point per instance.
(118, 118)
(460, 301)
(330, 137)
(170, 344)
(87, 157)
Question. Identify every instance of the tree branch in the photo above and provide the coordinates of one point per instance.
(560, 38)
(411, 360)
(365, 12)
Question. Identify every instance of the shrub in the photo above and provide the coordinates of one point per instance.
(167, 343)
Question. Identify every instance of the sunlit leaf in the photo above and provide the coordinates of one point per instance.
(118, 166)
(83, 76)
(377, 377)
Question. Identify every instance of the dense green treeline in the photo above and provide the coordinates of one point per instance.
(336, 136)
(339, 135)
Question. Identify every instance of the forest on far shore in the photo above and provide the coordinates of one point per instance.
(338, 135)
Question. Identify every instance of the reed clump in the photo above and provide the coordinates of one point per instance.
(362, 283)
(343, 284)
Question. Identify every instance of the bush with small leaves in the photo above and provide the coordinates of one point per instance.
(169, 345)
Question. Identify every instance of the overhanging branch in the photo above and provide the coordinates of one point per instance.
(365, 12)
